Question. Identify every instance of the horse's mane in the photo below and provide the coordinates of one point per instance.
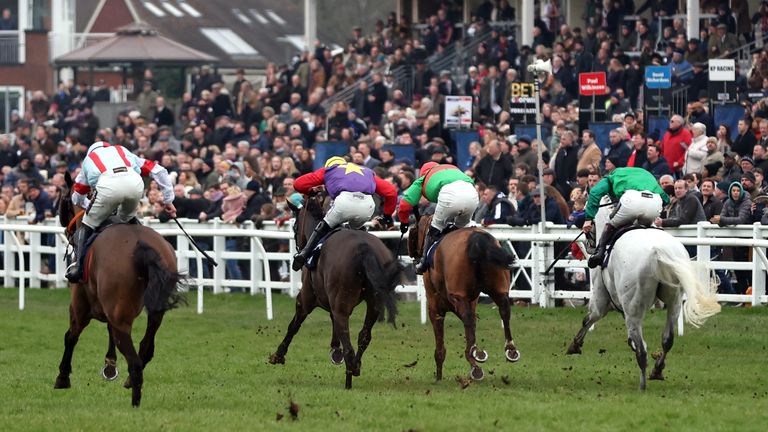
(316, 205)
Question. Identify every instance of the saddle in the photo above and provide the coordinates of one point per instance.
(431, 252)
(616, 236)
(314, 256)
(112, 220)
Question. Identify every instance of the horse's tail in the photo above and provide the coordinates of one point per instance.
(686, 275)
(482, 249)
(383, 278)
(162, 291)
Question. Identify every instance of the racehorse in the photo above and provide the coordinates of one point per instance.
(128, 267)
(467, 262)
(646, 264)
(352, 266)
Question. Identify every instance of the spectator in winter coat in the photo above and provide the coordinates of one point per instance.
(495, 168)
(675, 142)
(697, 151)
(686, 209)
(499, 207)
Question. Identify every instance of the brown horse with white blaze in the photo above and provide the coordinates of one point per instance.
(128, 267)
(467, 262)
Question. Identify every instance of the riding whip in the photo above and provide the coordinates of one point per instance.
(563, 252)
(194, 243)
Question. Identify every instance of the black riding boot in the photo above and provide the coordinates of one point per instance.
(432, 235)
(597, 259)
(301, 258)
(74, 272)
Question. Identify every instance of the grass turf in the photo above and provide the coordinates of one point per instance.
(210, 373)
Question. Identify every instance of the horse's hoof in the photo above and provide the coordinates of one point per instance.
(512, 355)
(62, 383)
(109, 372)
(477, 373)
(479, 355)
(337, 356)
(657, 375)
(276, 359)
(127, 383)
(573, 349)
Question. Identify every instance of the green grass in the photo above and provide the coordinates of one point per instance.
(210, 373)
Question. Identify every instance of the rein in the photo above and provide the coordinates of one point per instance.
(73, 222)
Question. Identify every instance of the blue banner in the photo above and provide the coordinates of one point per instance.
(657, 127)
(729, 115)
(462, 140)
(601, 131)
(403, 153)
(324, 150)
(657, 77)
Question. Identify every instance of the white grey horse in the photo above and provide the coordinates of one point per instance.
(647, 264)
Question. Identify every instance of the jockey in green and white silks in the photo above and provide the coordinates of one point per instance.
(640, 199)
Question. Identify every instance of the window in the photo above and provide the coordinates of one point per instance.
(229, 42)
(11, 98)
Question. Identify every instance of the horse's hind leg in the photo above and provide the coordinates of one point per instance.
(78, 320)
(599, 305)
(303, 307)
(510, 350)
(337, 353)
(437, 317)
(636, 342)
(109, 371)
(122, 334)
(667, 339)
(372, 314)
(465, 309)
(341, 327)
(147, 345)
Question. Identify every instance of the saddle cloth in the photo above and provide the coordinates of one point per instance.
(431, 252)
(314, 256)
(85, 258)
(620, 232)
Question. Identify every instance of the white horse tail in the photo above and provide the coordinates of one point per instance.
(686, 275)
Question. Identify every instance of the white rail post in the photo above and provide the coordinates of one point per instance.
(200, 282)
(219, 245)
(35, 239)
(294, 276)
(7, 258)
(758, 271)
(20, 254)
(60, 261)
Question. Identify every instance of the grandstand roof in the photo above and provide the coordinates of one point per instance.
(136, 43)
(240, 33)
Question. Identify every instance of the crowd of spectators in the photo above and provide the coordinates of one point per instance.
(234, 149)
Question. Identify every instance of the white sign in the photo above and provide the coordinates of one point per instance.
(458, 112)
(722, 70)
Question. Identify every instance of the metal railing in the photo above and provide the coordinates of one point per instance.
(9, 47)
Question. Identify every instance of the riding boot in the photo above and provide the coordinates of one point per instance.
(597, 259)
(431, 237)
(301, 258)
(74, 271)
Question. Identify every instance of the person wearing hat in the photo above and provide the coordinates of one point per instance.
(40, 200)
(455, 195)
(747, 164)
(254, 200)
(723, 42)
(351, 187)
(525, 153)
(693, 52)
(640, 199)
(115, 174)
(682, 71)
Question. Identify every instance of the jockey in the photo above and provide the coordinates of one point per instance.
(640, 198)
(115, 173)
(350, 186)
(455, 195)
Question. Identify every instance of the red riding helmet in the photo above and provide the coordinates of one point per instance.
(426, 167)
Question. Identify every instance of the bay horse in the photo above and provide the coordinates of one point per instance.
(645, 265)
(352, 266)
(128, 267)
(467, 262)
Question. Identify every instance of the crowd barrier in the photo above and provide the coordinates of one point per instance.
(33, 255)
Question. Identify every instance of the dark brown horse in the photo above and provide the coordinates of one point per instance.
(128, 267)
(353, 266)
(467, 262)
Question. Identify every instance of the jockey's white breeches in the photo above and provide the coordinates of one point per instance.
(119, 191)
(456, 202)
(356, 208)
(641, 206)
